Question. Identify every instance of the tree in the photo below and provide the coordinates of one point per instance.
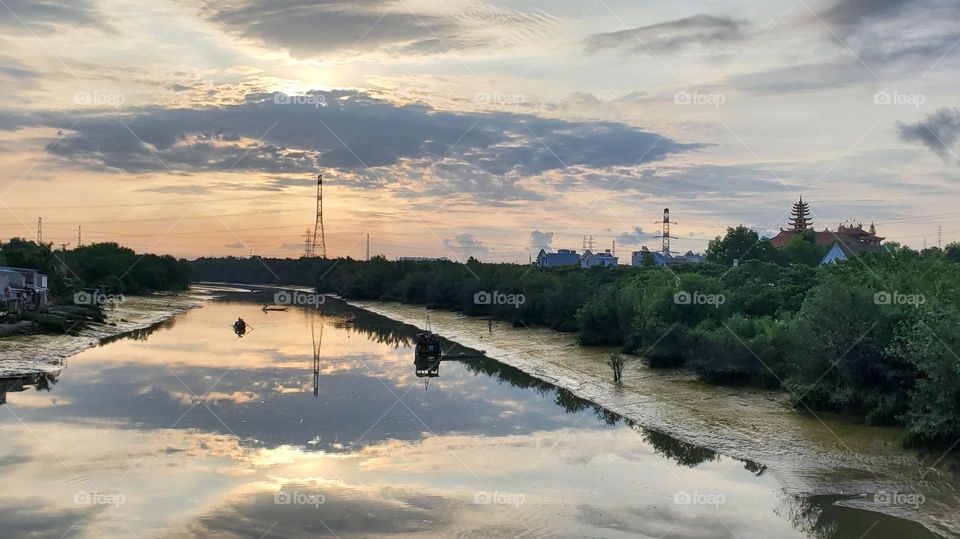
(952, 252)
(740, 243)
(802, 249)
(934, 412)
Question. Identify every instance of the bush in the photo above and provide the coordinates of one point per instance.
(739, 351)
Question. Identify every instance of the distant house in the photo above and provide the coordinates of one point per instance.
(23, 288)
(563, 257)
(689, 258)
(661, 260)
(591, 260)
(834, 255)
(639, 258)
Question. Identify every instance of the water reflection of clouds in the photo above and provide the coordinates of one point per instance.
(267, 396)
(212, 483)
(489, 428)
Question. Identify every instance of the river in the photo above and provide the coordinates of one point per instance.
(316, 424)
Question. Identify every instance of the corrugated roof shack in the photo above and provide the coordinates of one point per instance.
(23, 289)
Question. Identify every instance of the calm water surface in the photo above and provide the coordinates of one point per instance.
(188, 431)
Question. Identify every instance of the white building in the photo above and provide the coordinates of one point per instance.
(563, 257)
(590, 260)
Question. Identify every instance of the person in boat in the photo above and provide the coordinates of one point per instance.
(240, 326)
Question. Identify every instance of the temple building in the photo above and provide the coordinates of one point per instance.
(848, 239)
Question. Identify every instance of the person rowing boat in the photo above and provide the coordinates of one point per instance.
(240, 327)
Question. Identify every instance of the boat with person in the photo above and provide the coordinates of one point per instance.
(427, 344)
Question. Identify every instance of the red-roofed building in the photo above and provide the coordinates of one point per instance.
(852, 239)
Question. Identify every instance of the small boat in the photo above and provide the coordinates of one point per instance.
(240, 327)
(427, 344)
(267, 308)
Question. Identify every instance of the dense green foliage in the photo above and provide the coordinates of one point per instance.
(876, 336)
(102, 264)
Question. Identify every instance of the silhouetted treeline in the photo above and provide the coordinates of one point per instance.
(102, 264)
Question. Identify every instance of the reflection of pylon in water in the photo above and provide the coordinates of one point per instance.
(316, 358)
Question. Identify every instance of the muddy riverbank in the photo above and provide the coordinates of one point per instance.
(43, 352)
(864, 467)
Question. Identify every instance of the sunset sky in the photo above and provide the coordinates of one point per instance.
(462, 128)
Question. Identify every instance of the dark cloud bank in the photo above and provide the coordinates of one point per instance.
(353, 132)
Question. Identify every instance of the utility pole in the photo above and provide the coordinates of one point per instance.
(40, 230)
(614, 250)
(368, 246)
(79, 236)
(940, 237)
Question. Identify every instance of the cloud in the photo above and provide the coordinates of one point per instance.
(541, 240)
(177, 189)
(637, 236)
(236, 245)
(324, 28)
(673, 36)
(362, 138)
(48, 16)
(924, 30)
(17, 73)
(859, 30)
(940, 132)
(465, 245)
(853, 13)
